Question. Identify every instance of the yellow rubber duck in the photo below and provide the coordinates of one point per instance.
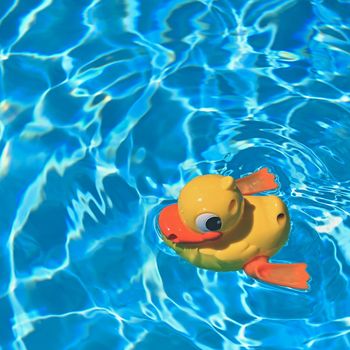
(217, 224)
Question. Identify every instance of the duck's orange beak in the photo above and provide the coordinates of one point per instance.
(176, 231)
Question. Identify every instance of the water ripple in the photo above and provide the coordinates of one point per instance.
(106, 110)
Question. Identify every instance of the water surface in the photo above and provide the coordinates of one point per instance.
(108, 108)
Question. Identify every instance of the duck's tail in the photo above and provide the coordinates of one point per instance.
(286, 275)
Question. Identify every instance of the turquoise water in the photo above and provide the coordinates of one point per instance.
(108, 108)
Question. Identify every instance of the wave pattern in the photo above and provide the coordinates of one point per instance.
(108, 108)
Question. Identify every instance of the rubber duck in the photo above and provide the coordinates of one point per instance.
(218, 224)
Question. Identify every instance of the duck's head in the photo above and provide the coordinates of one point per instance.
(209, 207)
(211, 203)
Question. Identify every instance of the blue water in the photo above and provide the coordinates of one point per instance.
(108, 108)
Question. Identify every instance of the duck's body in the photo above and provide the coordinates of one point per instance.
(256, 234)
(215, 227)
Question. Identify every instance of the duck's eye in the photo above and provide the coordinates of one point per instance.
(208, 222)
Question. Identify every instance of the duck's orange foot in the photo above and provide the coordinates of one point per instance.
(259, 181)
(286, 275)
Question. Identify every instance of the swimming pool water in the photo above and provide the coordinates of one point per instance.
(108, 108)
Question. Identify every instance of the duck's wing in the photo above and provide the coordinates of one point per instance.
(259, 181)
(286, 275)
